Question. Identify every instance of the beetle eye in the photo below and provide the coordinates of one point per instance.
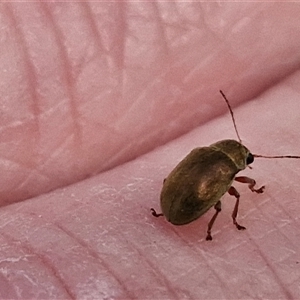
(250, 159)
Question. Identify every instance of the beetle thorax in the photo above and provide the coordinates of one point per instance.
(237, 152)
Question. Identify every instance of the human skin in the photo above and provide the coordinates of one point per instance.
(91, 90)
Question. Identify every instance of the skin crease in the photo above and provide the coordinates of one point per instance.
(86, 87)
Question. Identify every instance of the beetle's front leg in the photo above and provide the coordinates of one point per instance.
(251, 183)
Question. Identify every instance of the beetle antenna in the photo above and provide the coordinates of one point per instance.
(232, 116)
(276, 156)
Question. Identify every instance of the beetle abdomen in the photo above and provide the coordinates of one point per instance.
(196, 184)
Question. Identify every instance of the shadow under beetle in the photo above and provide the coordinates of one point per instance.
(199, 181)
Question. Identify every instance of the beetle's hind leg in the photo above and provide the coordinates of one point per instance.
(212, 221)
(232, 191)
(251, 183)
(155, 214)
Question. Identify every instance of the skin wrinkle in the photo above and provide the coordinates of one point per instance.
(277, 279)
(24, 163)
(40, 170)
(295, 281)
(138, 100)
(162, 36)
(235, 246)
(12, 125)
(117, 155)
(277, 228)
(158, 275)
(282, 210)
(93, 253)
(118, 152)
(95, 32)
(99, 49)
(8, 284)
(173, 23)
(34, 173)
(244, 272)
(42, 259)
(29, 69)
(273, 201)
(209, 31)
(209, 257)
(54, 154)
(53, 109)
(13, 163)
(226, 292)
(156, 272)
(119, 49)
(128, 244)
(67, 75)
(56, 274)
(118, 53)
(195, 250)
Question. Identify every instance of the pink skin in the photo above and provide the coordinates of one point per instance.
(86, 87)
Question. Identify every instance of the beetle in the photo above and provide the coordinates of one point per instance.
(199, 181)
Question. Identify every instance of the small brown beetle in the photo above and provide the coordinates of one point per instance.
(199, 181)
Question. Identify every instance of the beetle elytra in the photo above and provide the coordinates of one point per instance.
(199, 181)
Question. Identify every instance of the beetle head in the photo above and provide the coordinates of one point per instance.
(237, 152)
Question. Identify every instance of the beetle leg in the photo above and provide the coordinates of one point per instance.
(232, 191)
(155, 214)
(251, 183)
(211, 222)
